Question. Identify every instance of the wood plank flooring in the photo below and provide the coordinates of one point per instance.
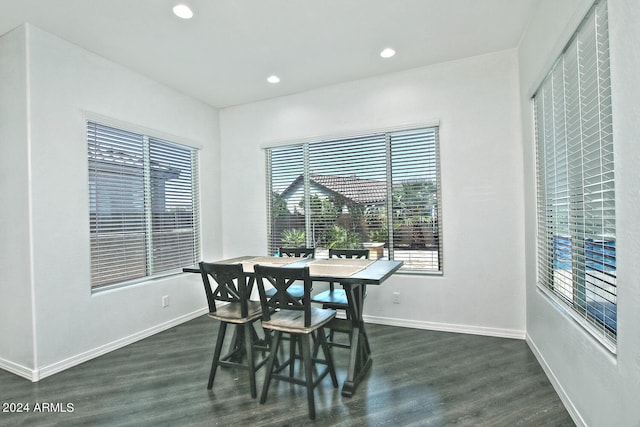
(418, 378)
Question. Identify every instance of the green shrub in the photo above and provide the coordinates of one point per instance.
(293, 237)
(341, 238)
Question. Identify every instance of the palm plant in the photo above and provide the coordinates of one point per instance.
(339, 237)
(293, 237)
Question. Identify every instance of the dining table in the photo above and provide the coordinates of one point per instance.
(354, 275)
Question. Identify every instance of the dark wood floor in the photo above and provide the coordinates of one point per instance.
(418, 378)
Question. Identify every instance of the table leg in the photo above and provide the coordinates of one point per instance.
(360, 356)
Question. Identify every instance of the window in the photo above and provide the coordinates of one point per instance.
(575, 174)
(143, 204)
(379, 191)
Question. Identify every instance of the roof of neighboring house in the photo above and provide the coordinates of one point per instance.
(358, 190)
(115, 161)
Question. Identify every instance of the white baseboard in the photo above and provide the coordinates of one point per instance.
(14, 368)
(447, 327)
(568, 404)
(35, 375)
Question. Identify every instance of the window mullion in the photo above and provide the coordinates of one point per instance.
(309, 233)
(269, 196)
(389, 196)
(147, 205)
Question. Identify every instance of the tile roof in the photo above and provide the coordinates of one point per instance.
(358, 190)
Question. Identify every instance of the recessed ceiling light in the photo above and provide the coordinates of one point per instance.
(387, 53)
(273, 79)
(183, 11)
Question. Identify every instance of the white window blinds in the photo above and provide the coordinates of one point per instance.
(378, 191)
(575, 174)
(143, 197)
(415, 183)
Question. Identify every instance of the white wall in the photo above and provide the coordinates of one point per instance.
(16, 321)
(598, 388)
(476, 102)
(70, 323)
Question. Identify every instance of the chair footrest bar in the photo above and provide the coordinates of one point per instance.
(301, 381)
(338, 344)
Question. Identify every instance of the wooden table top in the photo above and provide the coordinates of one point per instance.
(334, 269)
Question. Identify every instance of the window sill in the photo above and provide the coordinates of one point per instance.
(135, 282)
(595, 333)
(416, 272)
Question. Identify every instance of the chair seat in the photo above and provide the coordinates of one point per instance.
(231, 312)
(335, 297)
(293, 321)
(296, 291)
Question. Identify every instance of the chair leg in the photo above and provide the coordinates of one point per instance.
(308, 374)
(292, 355)
(316, 345)
(327, 356)
(267, 340)
(216, 354)
(275, 343)
(248, 338)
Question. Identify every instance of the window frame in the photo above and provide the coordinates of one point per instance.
(304, 147)
(576, 264)
(155, 146)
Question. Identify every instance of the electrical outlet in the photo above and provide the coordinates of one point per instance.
(165, 301)
(396, 297)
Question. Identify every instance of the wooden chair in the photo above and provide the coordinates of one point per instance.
(296, 290)
(337, 298)
(284, 313)
(298, 252)
(231, 288)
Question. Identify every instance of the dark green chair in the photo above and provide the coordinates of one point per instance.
(232, 289)
(283, 313)
(296, 290)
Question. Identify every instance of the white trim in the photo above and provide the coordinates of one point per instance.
(347, 135)
(140, 281)
(19, 370)
(557, 385)
(30, 198)
(90, 116)
(448, 327)
(35, 375)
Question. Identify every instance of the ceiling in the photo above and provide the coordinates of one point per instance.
(224, 54)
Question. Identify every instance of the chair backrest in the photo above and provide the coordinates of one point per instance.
(349, 253)
(298, 252)
(231, 285)
(281, 278)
